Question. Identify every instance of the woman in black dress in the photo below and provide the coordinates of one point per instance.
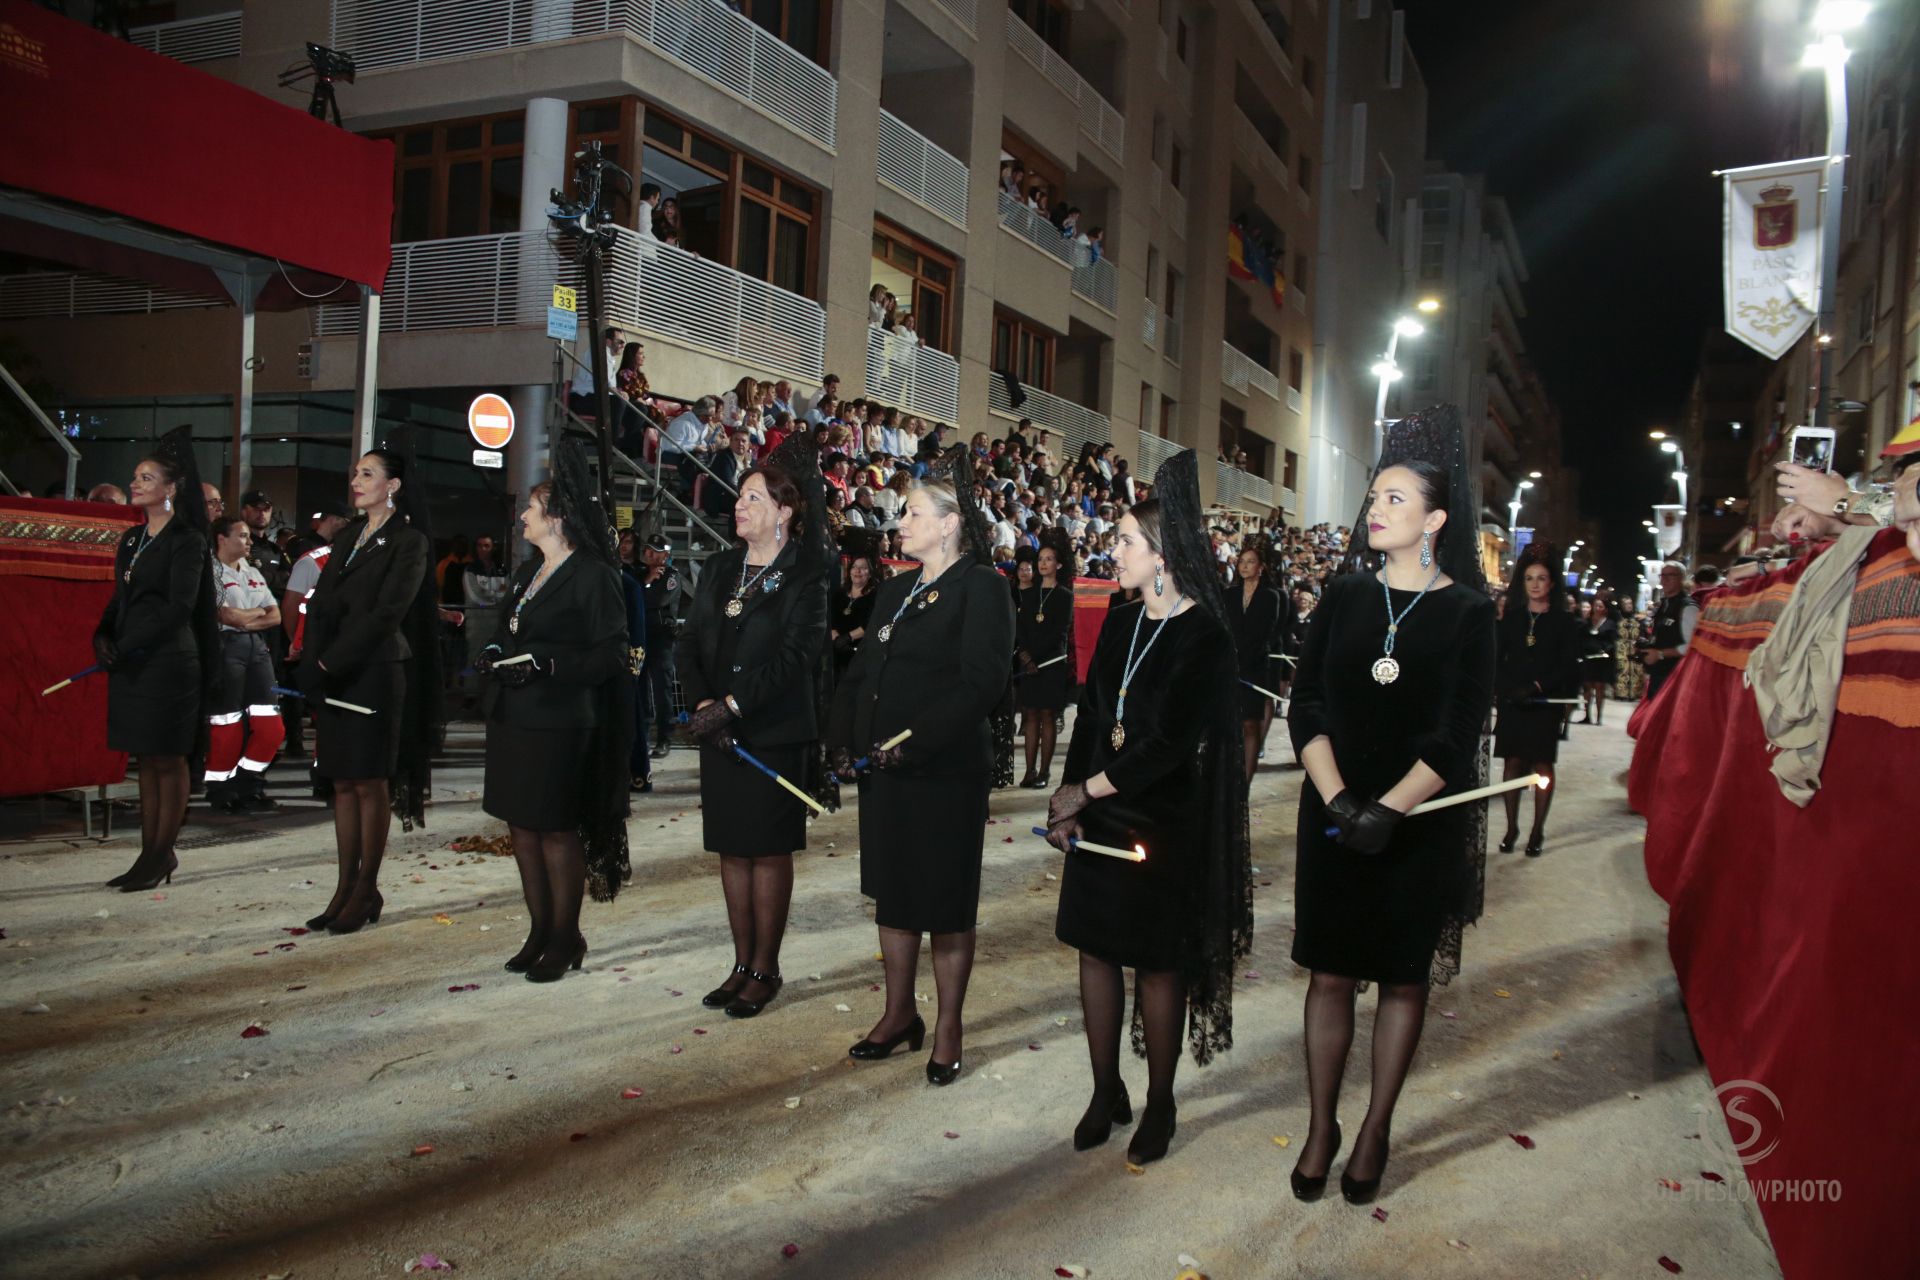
(559, 709)
(936, 665)
(1540, 650)
(1253, 618)
(156, 643)
(1597, 667)
(370, 643)
(753, 656)
(1043, 633)
(1156, 768)
(852, 606)
(1387, 711)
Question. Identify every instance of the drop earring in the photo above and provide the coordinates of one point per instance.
(389, 499)
(166, 504)
(1426, 550)
(1159, 587)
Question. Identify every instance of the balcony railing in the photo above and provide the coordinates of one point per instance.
(912, 376)
(1288, 500)
(1098, 118)
(499, 281)
(1076, 424)
(1096, 281)
(192, 39)
(964, 12)
(1242, 372)
(911, 164)
(73, 293)
(1151, 451)
(704, 36)
(1033, 227)
(1258, 151)
(1172, 325)
(1233, 487)
(1177, 211)
(1293, 399)
(1150, 325)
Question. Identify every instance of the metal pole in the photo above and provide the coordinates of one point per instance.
(603, 400)
(1832, 198)
(366, 374)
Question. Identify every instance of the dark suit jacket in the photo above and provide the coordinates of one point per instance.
(779, 639)
(1255, 629)
(578, 620)
(940, 675)
(155, 612)
(357, 609)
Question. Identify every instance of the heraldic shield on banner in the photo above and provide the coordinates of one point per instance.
(1773, 253)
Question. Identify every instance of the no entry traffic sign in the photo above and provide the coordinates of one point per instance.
(490, 420)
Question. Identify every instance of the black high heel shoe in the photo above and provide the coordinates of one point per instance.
(869, 1050)
(136, 882)
(722, 996)
(124, 876)
(942, 1073)
(1509, 840)
(362, 909)
(741, 1007)
(1311, 1189)
(552, 967)
(1362, 1191)
(523, 959)
(1534, 844)
(1097, 1124)
(1150, 1140)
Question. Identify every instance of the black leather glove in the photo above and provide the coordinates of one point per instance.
(483, 663)
(840, 761)
(1344, 810)
(1369, 835)
(105, 651)
(880, 758)
(1067, 802)
(309, 679)
(710, 722)
(1062, 835)
(518, 675)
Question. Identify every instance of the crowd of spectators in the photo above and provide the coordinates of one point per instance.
(1037, 196)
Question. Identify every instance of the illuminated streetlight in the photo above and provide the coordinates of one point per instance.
(1427, 306)
(1656, 435)
(1408, 327)
(1534, 474)
(1387, 368)
(1829, 55)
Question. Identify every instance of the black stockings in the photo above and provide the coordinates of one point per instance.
(1542, 796)
(164, 786)
(362, 815)
(1040, 729)
(1397, 1023)
(1595, 694)
(758, 893)
(553, 879)
(952, 967)
(1163, 1013)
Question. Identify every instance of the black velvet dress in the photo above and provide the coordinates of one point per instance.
(159, 616)
(1256, 633)
(1380, 918)
(1042, 627)
(845, 615)
(1528, 728)
(1142, 914)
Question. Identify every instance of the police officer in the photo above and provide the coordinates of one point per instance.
(661, 588)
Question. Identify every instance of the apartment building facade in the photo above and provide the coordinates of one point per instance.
(814, 150)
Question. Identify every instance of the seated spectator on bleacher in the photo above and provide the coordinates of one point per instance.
(825, 411)
(716, 500)
(686, 439)
(580, 393)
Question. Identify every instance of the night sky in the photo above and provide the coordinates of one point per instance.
(1600, 123)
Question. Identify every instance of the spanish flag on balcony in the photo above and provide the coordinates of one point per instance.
(1250, 260)
(1237, 254)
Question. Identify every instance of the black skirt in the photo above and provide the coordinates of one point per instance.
(1135, 914)
(1046, 689)
(746, 814)
(921, 843)
(153, 705)
(352, 745)
(536, 778)
(1529, 733)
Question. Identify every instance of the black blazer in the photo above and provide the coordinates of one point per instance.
(154, 612)
(1042, 640)
(578, 620)
(778, 641)
(941, 674)
(1547, 668)
(1255, 628)
(357, 610)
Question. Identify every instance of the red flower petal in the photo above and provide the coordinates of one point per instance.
(1525, 1142)
(699, 1031)
(1669, 1264)
(253, 1033)
(296, 931)
(424, 1149)
(1669, 1184)
(263, 953)
(950, 1134)
(789, 1250)
(629, 1094)
(1711, 1176)
(469, 986)
(1379, 1214)
(576, 1137)
(301, 987)
(285, 946)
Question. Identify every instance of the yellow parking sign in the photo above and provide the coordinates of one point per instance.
(566, 299)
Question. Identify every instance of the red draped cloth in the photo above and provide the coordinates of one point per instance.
(1793, 931)
(56, 575)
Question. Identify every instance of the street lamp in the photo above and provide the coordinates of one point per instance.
(1829, 55)
(1386, 369)
(1513, 511)
(1427, 306)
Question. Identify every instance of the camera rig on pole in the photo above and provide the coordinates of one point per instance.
(587, 220)
(326, 66)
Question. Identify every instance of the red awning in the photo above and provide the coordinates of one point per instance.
(98, 123)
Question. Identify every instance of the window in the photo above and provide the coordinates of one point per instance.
(1862, 320)
(1299, 280)
(1306, 174)
(1296, 368)
(1175, 160)
(1433, 259)
(1290, 470)
(801, 23)
(1166, 417)
(1396, 42)
(462, 177)
(1048, 18)
(1383, 202)
(1146, 406)
(1023, 349)
(1306, 74)
(732, 208)
(920, 276)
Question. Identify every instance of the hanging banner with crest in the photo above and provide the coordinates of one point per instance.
(1773, 252)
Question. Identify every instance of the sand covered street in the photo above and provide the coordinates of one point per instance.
(409, 1097)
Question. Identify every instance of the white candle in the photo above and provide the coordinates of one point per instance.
(896, 740)
(1257, 689)
(1135, 854)
(1050, 661)
(1479, 793)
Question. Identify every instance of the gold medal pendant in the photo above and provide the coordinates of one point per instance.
(1529, 642)
(886, 633)
(513, 625)
(1386, 671)
(1039, 617)
(1118, 737)
(733, 608)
